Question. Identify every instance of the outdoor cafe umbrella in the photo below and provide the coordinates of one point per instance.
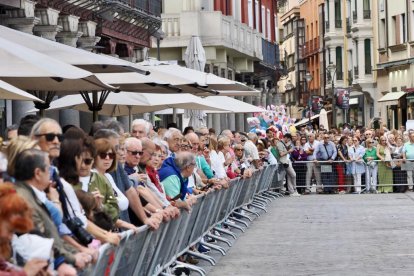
(195, 58)
(10, 92)
(128, 103)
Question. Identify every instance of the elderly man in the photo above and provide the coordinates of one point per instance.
(48, 133)
(326, 151)
(408, 153)
(140, 128)
(32, 175)
(174, 175)
(173, 137)
(250, 149)
(284, 147)
(312, 168)
(123, 183)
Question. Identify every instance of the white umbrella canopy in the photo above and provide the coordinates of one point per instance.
(233, 105)
(127, 103)
(89, 61)
(10, 92)
(30, 70)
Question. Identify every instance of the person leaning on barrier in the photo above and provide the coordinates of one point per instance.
(356, 154)
(384, 166)
(399, 176)
(326, 151)
(174, 175)
(242, 165)
(408, 154)
(33, 177)
(285, 148)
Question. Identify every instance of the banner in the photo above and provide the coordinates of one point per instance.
(342, 98)
(317, 104)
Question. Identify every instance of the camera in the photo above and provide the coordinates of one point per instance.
(76, 226)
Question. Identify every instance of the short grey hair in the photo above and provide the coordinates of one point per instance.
(36, 127)
(251, 136)
(170, 132)
(106, 134)
(131, 140)
(146, 124)
(184, 159)
(161, 143)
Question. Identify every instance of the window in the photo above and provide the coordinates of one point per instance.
(250, 13)
(367, 50)
(339, 74)
(403, 29)
(338, 15)
(263, 18)
(396, 29)
(383, 33)
(367, 9)
(269, 29)
(256, 14)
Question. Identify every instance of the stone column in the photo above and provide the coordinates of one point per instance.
(88, 39)
(223, 121)
(216, 123)
(69, 36)
(239, 118)
(209, 120)
(48, 26)
(22, 20)
(361, 58)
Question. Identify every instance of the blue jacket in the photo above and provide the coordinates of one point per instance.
(169, 168)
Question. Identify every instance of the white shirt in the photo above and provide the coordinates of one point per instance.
(250, 150)
(307, 146)
(41, 195)
(77, 210)
(217, 163)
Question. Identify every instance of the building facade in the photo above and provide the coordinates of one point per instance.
(239, 38)
(395, 40)
(121, 28)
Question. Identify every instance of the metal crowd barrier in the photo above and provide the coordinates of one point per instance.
(394, 175)
(153, 252)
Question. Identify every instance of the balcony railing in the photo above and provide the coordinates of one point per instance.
(152, 7)
(356, 73)
(367, 14)
(270, 53)
(354, 16)
(368, 70)
(338, 23)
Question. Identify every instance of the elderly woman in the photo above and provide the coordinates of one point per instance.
(15, 216)
(356, 154)
(399, 176)
(385, 180)
(298, 156)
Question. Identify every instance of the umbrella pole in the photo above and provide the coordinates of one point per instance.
(130, 117)
(42, 113)
(94, 105)
(175, 115)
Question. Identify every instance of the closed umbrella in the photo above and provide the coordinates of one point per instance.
(195, 58)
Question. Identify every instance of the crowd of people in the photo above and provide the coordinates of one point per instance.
(66, 192)
(349, 160)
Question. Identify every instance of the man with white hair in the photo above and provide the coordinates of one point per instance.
(173, 137)
(250, 149)
(140, 128)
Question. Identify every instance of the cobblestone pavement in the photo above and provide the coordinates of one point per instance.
(327, 235)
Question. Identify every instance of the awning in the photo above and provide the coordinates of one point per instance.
(306, 120)
(385, 65)
(391, 98)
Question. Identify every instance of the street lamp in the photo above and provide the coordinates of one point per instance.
(308, 78)
(288, 87)
(332, 72)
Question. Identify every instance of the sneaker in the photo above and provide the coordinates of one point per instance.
(191, 260)
(210, 240)
(181, 271)
(342, 192)
(295, 194)
(203, 249)
(216, 233)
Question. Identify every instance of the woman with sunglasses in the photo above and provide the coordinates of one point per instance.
(101, 184)
(356, 153)
(385, 181)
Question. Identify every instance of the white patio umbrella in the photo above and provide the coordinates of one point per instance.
(128, 103)
(10, 92)
(233, 105)
(89, 61)
(195, 58)
(323, 119)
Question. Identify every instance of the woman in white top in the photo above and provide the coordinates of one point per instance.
(356, 154)
(216, 158)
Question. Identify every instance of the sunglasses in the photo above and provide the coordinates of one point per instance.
(103, 155)
(242, 141)
(239, 149)
(88, 161)
(51, 136)
(185, 147)
(135, 152)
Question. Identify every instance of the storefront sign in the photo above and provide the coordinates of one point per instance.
(317, 104)
(342, 98)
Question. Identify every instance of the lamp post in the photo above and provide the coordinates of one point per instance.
(308, 78)
(332, 72)
(288, 87)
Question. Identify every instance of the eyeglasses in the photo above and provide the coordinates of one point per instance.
(88, 161)
(239, 149)
(135, 152)
(242, 141)
(103, 155)
(51, 136)
(185, 147)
